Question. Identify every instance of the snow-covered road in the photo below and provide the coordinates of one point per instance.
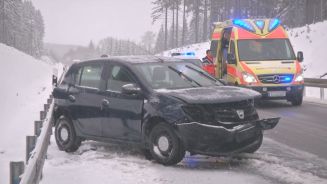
(104, 163)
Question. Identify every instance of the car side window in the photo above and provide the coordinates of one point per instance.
(90, 76)
(119, 76)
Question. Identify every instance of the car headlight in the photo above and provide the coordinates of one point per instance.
(299, 78)
(249, 78)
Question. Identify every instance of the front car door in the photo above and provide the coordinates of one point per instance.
(123, 112)
(85, 99)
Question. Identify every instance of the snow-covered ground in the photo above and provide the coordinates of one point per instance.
(309, 39)
(103, 163)
(25, 87)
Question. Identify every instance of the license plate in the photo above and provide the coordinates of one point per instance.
(277, 93)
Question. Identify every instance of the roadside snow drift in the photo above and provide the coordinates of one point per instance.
(25, 87)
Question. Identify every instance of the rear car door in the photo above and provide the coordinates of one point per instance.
(123, 113)
(85, 99)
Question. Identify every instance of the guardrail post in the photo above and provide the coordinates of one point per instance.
(16, 170)
(49, 101)
(42, 115)
(322, 93)
(46, 107)
(30, 145)
(37, 128)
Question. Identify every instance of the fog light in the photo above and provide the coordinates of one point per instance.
(288, 88)
(264, 89)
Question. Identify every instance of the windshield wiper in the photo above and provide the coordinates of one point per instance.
(186, 77)
(203, 73)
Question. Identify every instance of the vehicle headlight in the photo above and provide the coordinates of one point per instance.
(249, 78)
(299, 78)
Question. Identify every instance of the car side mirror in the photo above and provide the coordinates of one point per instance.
(60, 93)
(72, 89)
(299, 56)
(131, 89)
(231, 59)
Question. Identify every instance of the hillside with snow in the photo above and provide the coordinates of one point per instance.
(310, 39)
(25, 87)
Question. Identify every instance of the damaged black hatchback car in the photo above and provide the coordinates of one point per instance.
(164, 106)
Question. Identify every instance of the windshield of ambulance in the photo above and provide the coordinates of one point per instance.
(265, 50)
(175, 75)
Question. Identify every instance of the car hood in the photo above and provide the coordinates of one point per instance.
(211, 95)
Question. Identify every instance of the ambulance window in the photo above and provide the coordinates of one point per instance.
(214, 47)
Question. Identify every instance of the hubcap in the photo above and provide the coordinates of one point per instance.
(64, 134)
(163, 143)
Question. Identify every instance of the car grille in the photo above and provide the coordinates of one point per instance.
(228, 112)
(276, 78)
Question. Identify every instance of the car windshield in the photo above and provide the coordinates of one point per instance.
(175, 75)
(265, 50)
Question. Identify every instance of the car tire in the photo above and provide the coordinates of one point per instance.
(165, 146)
(255, 147)
(65, 135)
(297, 100)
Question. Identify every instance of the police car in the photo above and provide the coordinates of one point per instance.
(188, 57)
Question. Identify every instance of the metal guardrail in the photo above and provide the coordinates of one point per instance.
(317, 83)
(33, 170)
(36, 146)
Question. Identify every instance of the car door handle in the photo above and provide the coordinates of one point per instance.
(105, 103)
(72, 98)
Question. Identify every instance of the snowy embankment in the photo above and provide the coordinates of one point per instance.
(25, 87)
(103, 163)
(311, 39)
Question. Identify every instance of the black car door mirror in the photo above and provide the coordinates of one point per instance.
(60, 93)
(231, 59)
(300, 57)
(72, 89)
(131, 89)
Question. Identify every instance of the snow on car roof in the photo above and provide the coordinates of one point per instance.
(138, 59)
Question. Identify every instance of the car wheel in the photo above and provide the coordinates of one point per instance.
(166, 148)
(255, 147)
(297, 100)
(65, 135)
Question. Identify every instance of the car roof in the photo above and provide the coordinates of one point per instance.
(133, 59)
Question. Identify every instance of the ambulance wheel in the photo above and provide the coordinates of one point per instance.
(297, 100)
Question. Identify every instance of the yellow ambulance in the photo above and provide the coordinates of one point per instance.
(257, 54)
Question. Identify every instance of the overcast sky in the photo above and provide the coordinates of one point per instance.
(79, 21)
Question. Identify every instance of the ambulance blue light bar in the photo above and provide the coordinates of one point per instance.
(189, 54)
(243, 24)
(260, 23)
(274, 23)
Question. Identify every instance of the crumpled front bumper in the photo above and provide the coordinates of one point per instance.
(217, 140)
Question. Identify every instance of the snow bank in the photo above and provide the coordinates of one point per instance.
(312, 41)
(25, 86)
